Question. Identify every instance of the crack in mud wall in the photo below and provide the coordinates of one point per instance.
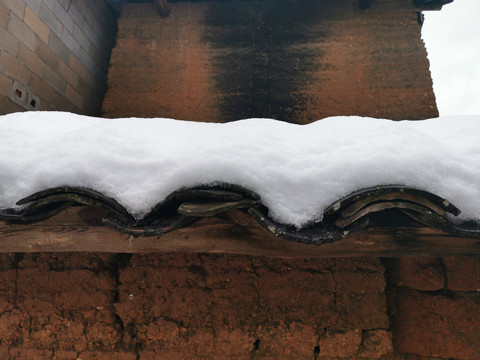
(197, 306)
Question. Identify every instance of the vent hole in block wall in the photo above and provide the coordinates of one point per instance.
(19, 94)
(33, 101)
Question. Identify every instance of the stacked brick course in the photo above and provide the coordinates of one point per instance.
(433, 302)
(201, 306)
(54, 54)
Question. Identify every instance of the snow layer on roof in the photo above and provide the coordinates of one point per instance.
(298, 170)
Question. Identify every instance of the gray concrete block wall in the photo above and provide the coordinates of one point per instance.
(54, 54)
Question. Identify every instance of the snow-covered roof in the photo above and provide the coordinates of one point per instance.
(293, 175)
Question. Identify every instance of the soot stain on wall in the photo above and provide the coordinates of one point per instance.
(263, 55)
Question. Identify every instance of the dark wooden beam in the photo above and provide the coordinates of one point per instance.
(364, 4)
(430, 4)
(163, 7)
(80, 229)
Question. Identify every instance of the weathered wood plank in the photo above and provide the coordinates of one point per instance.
(79, 229)
(213, 208)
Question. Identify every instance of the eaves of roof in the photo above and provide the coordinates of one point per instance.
(116, 5)
(379, 221)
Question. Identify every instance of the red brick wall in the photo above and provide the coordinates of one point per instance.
(199, 306)
(297, 61)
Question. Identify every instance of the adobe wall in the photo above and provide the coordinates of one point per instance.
(297, 61)
(54, 55)
(198, 306)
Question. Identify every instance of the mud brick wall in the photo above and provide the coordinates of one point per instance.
(297, 61)
(434, 304)
(199, 306)
(54, 54)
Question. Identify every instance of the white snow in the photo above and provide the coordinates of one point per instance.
(298, 170)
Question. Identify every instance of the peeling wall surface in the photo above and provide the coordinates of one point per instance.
(54, 55)
(195, 306)
(297, 61)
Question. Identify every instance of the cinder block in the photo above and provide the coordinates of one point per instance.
(49, 3)
(100, 57)
(77, 16)
(70, 42)
(91, 34)
(47, 17)
(17, 7)
(65, 4)
(3, 16)
(85, 11)
(74, 97)
(34, 5)
(38, 86)
(80, 37)
(63, 16)
(22, 32)
(31, 60)
(8, 42)
(68, 74)
(55, 80)
(83, 88)
(59, 48)
(36, 24)
(61, 103)
(5, 84)
(100, 28)
(91, 65)
(76, 65)
(46, 107)
(14, 68)
(7, 106)
(47, 55)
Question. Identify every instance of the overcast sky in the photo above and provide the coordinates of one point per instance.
(452, 38)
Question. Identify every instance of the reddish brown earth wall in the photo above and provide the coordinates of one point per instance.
(298, 61)
(198, 306)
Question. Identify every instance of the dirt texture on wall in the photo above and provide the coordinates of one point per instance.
(206, 306)
(297, 61)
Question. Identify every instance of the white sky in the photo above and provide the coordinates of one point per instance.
(452, 38)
